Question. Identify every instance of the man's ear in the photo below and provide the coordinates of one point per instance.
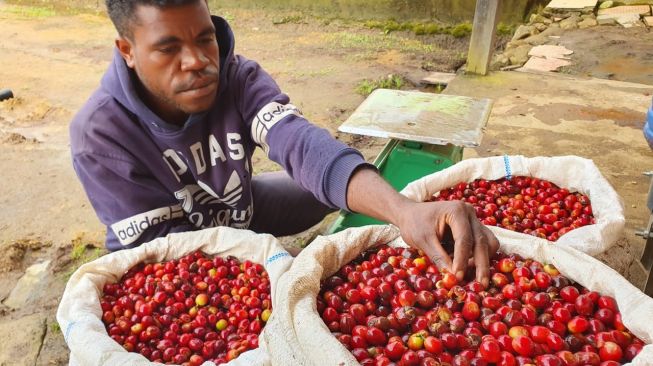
(126, 50)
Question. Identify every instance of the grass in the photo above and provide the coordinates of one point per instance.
(459, 30)
(28, 12)
(228, 17)
(81, 254)
(376, 43)
(78, 249)
(537, 10)
(36, 9)
(54, 327)
(294, 19)
(366, 87)
(505, 29)
(314, 73)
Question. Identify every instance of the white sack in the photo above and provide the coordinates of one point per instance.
(80, 315)
(571, 172)
(296, 334)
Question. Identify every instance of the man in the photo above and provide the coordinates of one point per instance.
(165, 145)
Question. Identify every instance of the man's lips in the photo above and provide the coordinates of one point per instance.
(200, 89)
(199, 84)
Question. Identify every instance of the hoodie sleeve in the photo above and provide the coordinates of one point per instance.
(310, 155)
(133, 205)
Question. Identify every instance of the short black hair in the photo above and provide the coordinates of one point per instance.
(122, 12)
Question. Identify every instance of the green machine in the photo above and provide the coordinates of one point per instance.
(427, 134)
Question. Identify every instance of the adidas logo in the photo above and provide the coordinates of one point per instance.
(267, 117)
(233, 191)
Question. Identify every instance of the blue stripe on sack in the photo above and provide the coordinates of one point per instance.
(277, 256)
(506, 162)
(68, 329)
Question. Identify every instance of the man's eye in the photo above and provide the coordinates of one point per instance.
(207, 40)
(168, 50)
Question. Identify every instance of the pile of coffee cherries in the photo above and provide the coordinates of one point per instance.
(392, 306)
(189, 310)
(524, 204)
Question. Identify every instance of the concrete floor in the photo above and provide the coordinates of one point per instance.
(556, 114)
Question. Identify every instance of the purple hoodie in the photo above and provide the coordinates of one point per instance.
(147, 178)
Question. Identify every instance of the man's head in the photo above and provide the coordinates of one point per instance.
(172, 47)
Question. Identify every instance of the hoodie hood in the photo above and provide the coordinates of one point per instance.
(121, 82)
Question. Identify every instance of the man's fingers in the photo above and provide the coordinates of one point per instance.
(481, 257)
(433, 249)
(492, 242)
(461, 230)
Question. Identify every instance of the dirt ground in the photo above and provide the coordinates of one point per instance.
(53, 61)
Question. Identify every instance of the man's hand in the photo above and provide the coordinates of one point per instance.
(428, 226)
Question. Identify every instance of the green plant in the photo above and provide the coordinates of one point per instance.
(54, 327)
(461, 30)
(228, 17)
(366, 87)
(458, 30)
(537, 10)
(30, 12)
(78, 249)
(288, 19)
(81, 254)
(371, 44)
(505, 29)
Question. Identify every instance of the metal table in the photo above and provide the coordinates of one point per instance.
(427, 133)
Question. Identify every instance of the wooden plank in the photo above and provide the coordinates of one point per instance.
(481, 44)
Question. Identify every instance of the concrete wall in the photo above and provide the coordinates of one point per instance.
(449, 11)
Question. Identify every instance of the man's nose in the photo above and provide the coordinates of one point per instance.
(193, 59)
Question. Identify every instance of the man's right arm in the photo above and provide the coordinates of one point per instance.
(133, 205)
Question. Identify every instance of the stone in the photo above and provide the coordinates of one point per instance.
(519, 55)
(539, 18)
(589, 22)
(606, 20)
(438, 78)
(510, 68)
(541, 27)
(541, 64)
(23, 349)
(515, 44)
(648, 21)
(572, 4)
(629, 20)
(550, 51)
(588, 16)
(29, 286)
(537, 40)
(606, 4)
(552, 31)
(522, 32)
(627, 9)
(569, 23)
(499, 62)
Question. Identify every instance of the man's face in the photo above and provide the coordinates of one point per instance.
(175, 54)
